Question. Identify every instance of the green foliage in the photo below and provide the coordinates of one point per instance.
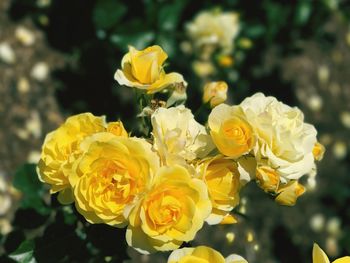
(26, 180)
(107, 13)
(24, 253)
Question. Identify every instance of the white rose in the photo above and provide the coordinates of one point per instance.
(285, 141)
(178, 136)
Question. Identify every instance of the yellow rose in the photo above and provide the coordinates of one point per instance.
(231, 132)
(144, 70)
(268, 178)
(215, 93)
(223, 181)
(61, 146)
(289, 193)
(202, 254)
(318, 256)
(112, 173)
(172, 212)
(117, 128)
(318, 151)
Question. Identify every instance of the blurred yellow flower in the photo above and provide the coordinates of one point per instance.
(268, 178)
(61, 147)
(231, 132)
(215, 93)
(217, 29)
(143, 69)
(110, 174)
(203, 68)
(289, 193)
(318, 256)
(318, 151)
(172, 212)
(222, 179)
(202, 254)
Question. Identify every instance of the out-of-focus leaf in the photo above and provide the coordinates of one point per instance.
(255, 31)
(277, 15)
(170, 14)
(107, 13)
(138, 40)
(303, 11)
(167, 43)
(26, 180)
(24, 253)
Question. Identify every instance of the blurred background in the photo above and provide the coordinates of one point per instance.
(58, 58)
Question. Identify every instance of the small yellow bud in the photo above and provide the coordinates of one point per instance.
(245, 43)
(215, 93)
(230, 237)
(289, 193)
(268, 179)
(318, 151)
(250, 236)
(226, 61)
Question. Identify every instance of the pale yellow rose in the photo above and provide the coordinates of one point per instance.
(143, 69)
(318, 256)
(318, 151)
(61, 147)
(215, 93)
(217, 29)
(111, 173)
(223, 181)
(285, 141)
(178, 137)
(289, 193)
(230, 131)
(170, 213)
(202, 254)
(267, 178)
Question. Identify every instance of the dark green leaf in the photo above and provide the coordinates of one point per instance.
(26, 180)
(168, 43)
(169, 15)
(255, 31)
(303, 12)
(107, 13)
(139, 40)
(24, 253)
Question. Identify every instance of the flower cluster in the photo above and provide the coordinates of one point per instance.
(163, 188)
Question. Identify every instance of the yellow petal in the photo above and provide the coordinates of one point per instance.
(228, 220)
(342, 260)
(318, 255)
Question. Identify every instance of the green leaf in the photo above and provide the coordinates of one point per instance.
(24, 253)
(167, 42)
(170, 14)
(107, 13)
(255, 31)
(303, 12)
(139, 40)
(26, 180)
